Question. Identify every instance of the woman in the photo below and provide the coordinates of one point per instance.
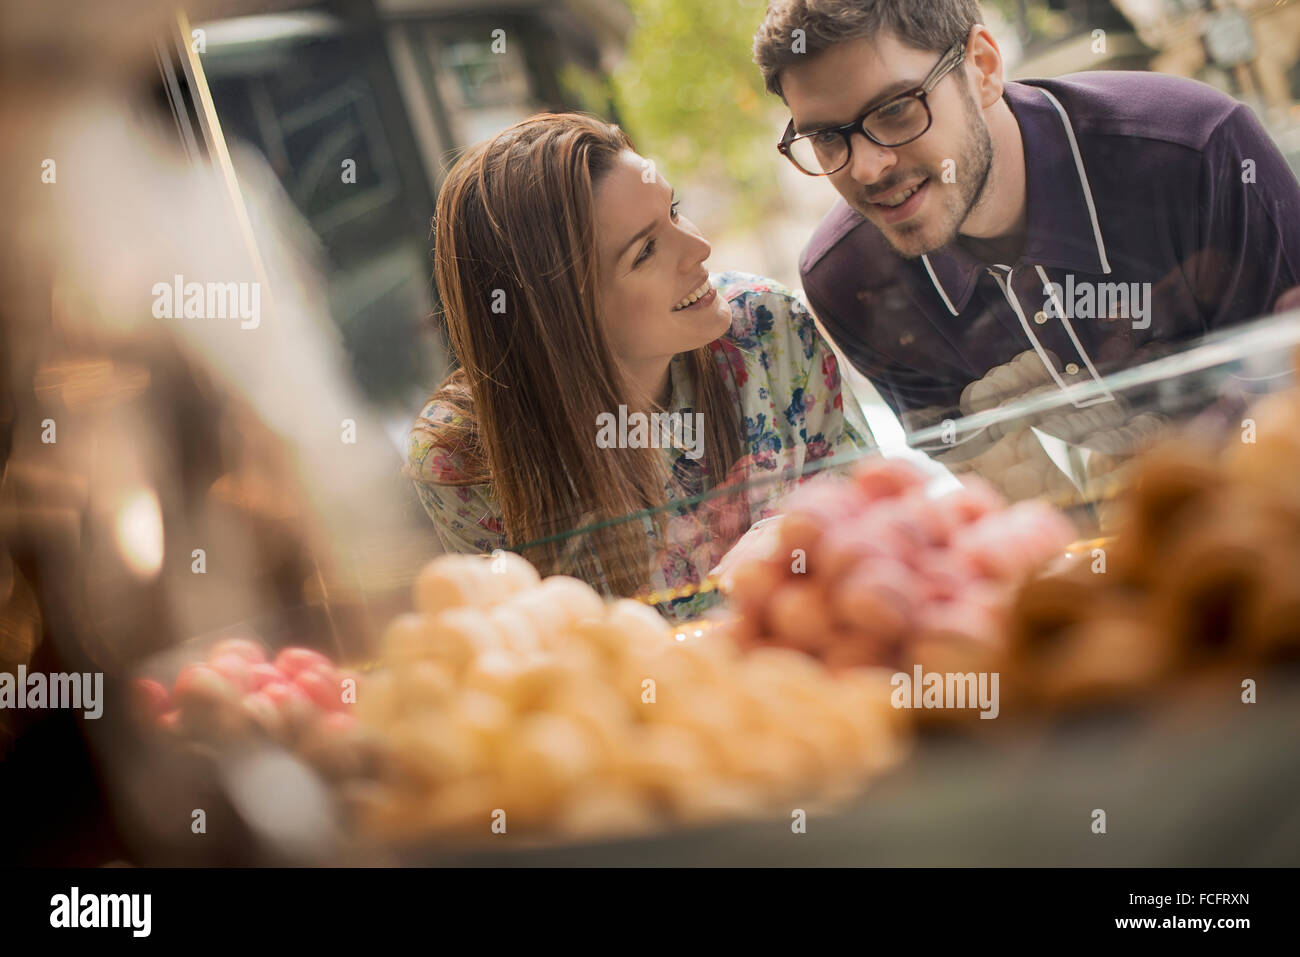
(576, 297)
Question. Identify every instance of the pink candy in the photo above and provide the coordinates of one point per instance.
(299, 689)
(886, 561)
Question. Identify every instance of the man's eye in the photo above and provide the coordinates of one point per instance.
(824, 138)
(646, 252)
(891, 111)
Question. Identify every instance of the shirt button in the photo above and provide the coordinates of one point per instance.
(1071, 368)
(1040, 317)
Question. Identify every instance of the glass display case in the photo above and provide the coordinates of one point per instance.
(1064, 438)
(294, 797)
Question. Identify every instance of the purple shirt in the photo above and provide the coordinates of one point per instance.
(1132, 178)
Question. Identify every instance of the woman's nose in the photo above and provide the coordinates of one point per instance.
(697, 247)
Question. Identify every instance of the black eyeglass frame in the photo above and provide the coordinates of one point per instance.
(950, 60)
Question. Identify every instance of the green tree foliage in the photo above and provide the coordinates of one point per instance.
(688, 92)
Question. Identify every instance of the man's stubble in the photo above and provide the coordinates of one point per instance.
(977, 158)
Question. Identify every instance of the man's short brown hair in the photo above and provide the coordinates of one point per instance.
(925, 24)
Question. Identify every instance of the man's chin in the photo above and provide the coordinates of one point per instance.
(908, 240)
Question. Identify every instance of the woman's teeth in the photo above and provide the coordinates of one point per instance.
(899, 198)
(702, 291)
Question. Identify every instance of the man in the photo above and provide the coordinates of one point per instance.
(1090, 220)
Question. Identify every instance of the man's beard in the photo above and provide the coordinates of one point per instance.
(972, 174)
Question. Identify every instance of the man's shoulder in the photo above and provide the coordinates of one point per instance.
(845, 236)
(1147, 106)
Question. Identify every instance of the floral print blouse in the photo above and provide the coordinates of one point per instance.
(786, 384)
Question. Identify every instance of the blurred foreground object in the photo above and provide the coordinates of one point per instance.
(509, 703)
(1205, 573)
(873, 569)
(180, 446)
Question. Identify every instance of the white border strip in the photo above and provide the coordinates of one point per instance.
(1083, 178)
(1004, 283)
(1087, 360)
(935, 279)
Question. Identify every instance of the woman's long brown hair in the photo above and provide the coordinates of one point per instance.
(516, 269)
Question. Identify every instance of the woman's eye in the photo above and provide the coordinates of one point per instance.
(648, 249)
(646, 252)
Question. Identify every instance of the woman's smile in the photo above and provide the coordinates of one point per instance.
(696, 295)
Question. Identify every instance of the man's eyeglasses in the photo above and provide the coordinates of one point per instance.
(895, 123)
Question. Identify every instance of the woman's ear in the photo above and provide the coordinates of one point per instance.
(984, 66)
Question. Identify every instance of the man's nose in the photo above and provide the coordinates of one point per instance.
(869, 161)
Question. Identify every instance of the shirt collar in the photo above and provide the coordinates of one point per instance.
(1060, 213)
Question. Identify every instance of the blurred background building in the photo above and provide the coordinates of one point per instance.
(389, 91)
(398, 87)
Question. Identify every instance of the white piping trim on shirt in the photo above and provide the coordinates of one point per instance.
(935, 279)
(1014, 301)
(1087, 360)
(1083, 178)
(1087, 195)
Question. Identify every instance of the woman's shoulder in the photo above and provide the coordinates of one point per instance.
(765, 314)
(435, 450)
(746, 289)
(448, 478)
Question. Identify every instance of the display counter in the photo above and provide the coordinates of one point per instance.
(772, 709)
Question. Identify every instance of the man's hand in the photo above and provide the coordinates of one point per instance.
(1288, 300)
